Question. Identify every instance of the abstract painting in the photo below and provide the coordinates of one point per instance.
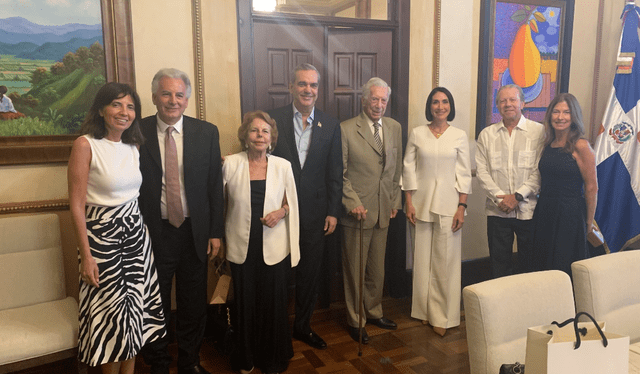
(526, 45)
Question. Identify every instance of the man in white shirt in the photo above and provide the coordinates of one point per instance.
(507, 167)
(310, 140)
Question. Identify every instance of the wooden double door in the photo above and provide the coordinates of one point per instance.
(346, 58)
(347, 53)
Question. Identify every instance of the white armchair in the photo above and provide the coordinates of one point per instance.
(38, 322)
(498, 313)
(607, 288)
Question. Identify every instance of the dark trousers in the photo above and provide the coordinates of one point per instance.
(308, 277)
(176, 255)
(500, 232)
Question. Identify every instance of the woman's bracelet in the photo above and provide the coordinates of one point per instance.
(463, 204)
(286, 210)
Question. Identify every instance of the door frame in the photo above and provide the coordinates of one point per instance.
(399, 25)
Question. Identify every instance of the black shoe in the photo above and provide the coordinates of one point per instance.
(311, 339)
(383, 323)
(353, 331)
(194, 370)
(159, 369)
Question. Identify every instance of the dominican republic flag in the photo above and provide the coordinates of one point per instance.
(618, 144)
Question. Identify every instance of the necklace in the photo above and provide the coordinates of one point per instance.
(437, 134)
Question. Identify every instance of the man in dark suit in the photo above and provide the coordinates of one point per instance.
(181, 201)
(310, 140)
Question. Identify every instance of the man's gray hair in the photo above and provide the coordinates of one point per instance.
(520, 92)
(377, 82)
(303, 67)
(171, 73)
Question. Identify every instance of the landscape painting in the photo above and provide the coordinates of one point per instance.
(52, 63)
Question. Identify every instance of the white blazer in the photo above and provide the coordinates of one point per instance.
(279, 241)
(437, 169)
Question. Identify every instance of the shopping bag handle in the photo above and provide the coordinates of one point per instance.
(581, 331)
(575, 328)
(563, 324)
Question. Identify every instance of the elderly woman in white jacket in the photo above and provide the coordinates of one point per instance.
(436, 179)
(262, 232)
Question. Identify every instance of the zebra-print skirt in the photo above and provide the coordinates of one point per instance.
(125, 312)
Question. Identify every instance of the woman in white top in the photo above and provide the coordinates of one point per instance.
(436, 179)
(262, 233)
(120, 305)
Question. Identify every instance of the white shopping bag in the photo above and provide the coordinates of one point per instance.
(576, 347)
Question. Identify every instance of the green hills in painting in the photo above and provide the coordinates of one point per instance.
(52, 73)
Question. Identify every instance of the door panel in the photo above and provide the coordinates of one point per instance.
(278, 49)
(354, 57)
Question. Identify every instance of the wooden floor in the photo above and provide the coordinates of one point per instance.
(412, 348)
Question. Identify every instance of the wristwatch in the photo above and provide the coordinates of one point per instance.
(518, 196)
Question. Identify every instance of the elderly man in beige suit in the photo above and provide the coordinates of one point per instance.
(372, 165)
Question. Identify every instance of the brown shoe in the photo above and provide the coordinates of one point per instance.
(439, 330)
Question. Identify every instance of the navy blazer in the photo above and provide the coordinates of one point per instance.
(202, 181)
(319, 182)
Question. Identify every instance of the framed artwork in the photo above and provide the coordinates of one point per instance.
(117, 52)
(528, 43)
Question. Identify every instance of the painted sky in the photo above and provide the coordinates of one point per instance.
(53, 12)
(546, 39)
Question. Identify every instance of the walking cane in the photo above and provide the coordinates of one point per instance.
(361, 304)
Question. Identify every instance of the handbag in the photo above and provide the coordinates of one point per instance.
(576, 347)
(516, 368)
(219, 313)
(220, 287)
(595, 238)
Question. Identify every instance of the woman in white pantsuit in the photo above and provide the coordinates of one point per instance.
(436, 180)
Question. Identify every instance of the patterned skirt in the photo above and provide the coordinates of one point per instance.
(125, 312)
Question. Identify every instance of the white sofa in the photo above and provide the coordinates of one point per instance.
(38, 322)
(607, 287)
(498, 313)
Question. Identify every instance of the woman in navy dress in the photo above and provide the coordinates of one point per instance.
(564, 215)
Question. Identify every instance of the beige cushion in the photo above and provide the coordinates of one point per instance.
(607, 287)
(38, 330)
(31, 277)
(26, 233)
(498, 313)
(36, 317)
(31, 264)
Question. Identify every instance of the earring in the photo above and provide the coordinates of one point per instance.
(269, 148)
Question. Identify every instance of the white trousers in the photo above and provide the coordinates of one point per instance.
(436, 272)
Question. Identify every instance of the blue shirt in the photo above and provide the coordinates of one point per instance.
(302, 135)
